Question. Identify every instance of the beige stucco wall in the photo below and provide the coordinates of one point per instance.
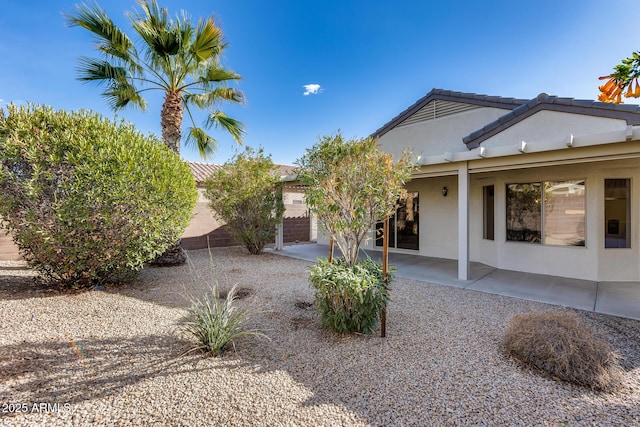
(549, 159)
(439, 215)
(434, 137)
(203, 220)
(548, 125)
(592, 262)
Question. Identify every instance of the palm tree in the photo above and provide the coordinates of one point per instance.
(173, 56)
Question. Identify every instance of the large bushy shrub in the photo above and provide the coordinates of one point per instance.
(349, 298)
(86, 199)
(563, 346)
(244, 193)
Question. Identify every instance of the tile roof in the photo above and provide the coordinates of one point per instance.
(448, 95)
(201, 171)
(520, 109)
(628, 112)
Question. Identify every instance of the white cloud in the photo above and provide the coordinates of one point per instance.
(312, 89)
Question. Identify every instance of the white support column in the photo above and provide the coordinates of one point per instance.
(280, 236)
(280, 226)
(463, 221)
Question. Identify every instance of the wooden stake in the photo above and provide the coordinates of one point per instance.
(330, 258)
(385, 270)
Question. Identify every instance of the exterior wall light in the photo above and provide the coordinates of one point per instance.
(445, 191)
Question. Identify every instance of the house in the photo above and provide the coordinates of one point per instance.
(205, 230)
(547, 185)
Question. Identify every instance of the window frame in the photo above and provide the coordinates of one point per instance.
(628, 213)
(488, 213)
(542, 186)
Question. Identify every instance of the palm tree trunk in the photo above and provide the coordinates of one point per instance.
(171, 120)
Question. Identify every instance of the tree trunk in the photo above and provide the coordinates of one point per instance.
(171, 120)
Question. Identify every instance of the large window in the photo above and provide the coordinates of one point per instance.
(403, 226)
(524, 214)
(564, 213)
(551, 212)
(617, 211)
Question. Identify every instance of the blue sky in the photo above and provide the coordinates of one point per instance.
(371, 59)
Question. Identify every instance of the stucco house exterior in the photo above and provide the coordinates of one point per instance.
(546, 185)
(204, 230)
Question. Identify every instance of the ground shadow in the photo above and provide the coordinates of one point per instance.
(74, 371)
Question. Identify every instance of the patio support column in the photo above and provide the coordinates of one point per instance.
(463, 221)
(280, 236)
(280, 227)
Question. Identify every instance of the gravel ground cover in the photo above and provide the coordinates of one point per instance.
(112, 357)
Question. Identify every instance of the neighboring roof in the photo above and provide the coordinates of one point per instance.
(448, 95)
(285, 170)
(201, 171)
(629, 113)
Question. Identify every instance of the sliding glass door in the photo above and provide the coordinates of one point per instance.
(404, 225)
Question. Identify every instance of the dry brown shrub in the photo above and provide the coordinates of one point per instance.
(561, 345)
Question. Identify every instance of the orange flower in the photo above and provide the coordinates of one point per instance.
(611, 91)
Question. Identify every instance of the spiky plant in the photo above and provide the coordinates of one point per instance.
(216, 323)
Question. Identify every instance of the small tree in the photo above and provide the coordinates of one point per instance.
(350, 186)
(245, 193)
(625, 75)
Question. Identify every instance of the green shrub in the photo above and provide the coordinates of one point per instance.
(349, 299)
(560, 344)
(86, 199)
(214, 320)
(244, 193)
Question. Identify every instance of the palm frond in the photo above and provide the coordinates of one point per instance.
(233, 126)
(205, 143)
(94, 69)
(121, 95)
(208, 99)
(154, 27)
(111, 39)
(208, 40)
(216, 74)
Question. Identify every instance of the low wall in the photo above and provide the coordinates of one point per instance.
(8, 251)
(296, 229)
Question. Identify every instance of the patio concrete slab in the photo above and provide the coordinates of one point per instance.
(614, 298)
(542, 288)
(619, 299)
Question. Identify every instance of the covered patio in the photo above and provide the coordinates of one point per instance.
(614, 298)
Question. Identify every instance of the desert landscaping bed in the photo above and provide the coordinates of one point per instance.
(112, 357)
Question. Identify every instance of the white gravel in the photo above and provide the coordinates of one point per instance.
(112, 357)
